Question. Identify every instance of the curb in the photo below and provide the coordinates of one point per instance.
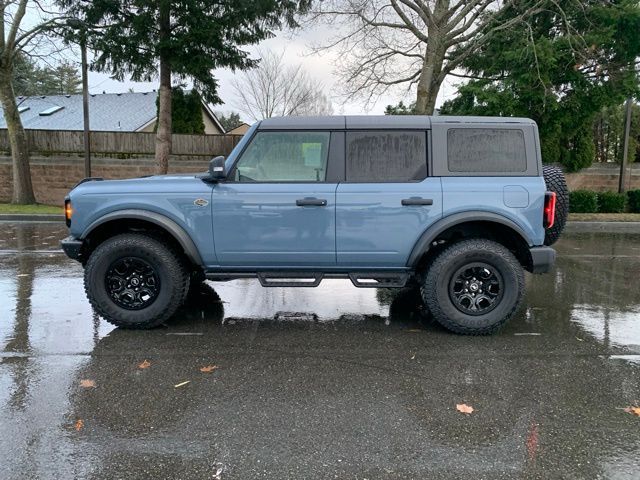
(31, 217)
(602, 227)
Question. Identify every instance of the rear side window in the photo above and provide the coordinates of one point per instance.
(479, 150)
(379, 156)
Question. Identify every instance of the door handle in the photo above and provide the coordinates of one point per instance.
(416, 201)
(311, 202)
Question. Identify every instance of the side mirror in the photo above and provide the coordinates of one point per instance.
(216, 169)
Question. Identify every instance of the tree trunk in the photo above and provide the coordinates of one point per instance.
(22, 187)
(163, 135)
(430, 78)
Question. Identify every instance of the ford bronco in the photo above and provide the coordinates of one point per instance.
(460, 206)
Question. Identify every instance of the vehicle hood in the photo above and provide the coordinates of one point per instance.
(153, 183)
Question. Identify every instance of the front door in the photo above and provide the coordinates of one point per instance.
(387, 200)
(277, 207)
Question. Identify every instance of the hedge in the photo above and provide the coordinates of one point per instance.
(610, 202)
(583, 201)
(634, 200)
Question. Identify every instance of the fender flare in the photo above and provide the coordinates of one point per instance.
(430, 234)
(175, 230)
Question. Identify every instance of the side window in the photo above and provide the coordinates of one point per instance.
(478, 150)
(394, 156)
(284, 157)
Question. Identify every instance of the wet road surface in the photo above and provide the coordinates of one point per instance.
(333, 382)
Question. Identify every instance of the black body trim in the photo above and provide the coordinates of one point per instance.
(72, 247)
(424, 242)
(166, 223)
(542, 259)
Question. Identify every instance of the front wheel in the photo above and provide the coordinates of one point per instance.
(473, 287)
(135, 281)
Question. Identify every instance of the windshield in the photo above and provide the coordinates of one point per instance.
(239, 147)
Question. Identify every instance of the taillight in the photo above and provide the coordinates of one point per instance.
(68, 212)
(549, 209)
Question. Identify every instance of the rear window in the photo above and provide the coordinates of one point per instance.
(378, 156)
(479, 150)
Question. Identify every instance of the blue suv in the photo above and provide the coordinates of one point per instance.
(460, 206)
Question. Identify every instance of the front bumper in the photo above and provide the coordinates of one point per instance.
(542, 259)
(72, 247)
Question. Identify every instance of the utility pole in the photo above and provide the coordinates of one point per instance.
(625, 151)
(85, 106)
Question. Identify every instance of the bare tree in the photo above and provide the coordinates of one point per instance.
(275, 89)
(15, 39)
(387, 44)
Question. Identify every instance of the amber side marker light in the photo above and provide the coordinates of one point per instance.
(68, 212)
(549, 209)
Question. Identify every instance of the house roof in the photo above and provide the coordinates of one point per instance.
(125, 112)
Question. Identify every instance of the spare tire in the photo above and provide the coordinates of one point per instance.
(554, 178)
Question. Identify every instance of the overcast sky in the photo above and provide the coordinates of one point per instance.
(297, 50)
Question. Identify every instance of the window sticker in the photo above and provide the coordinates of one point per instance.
(312, 154)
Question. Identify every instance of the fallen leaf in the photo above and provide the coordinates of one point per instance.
(78, 425)
(181, 384)
(464, 408)
(208, 368)
(633, 411)
(88, 383)
(145, 364)
(413, 356)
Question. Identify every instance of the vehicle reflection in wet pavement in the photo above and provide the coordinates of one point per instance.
(316, 383)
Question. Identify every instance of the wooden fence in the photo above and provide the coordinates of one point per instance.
(68, 141)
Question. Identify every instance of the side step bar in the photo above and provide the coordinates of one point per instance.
(313, 279)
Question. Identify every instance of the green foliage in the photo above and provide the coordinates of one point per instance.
(401, 109)
(186, 112)
(611, 202)
(202, 35)
(29, 79)
(230, 121)
(633, 197)
(608, 129)
(583, 201)
(560, 80)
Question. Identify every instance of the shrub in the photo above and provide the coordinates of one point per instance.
(610, 202)
(634, 200)
(583, 201)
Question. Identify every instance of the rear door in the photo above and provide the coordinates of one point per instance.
(387, 200)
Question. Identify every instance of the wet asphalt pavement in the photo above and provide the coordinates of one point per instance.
(333, 382)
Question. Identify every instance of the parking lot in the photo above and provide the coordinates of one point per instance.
(332, 382)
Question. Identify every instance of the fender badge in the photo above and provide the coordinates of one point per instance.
(200, 202)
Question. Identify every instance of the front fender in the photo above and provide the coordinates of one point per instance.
(162, 221)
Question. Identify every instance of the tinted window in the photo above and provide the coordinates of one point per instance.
(478, 150)
(386, 156)
(284, 157)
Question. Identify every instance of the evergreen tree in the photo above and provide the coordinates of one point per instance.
(189, 39)
(230, 121)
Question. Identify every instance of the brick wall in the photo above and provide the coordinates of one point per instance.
(604, 177)
(54, 176)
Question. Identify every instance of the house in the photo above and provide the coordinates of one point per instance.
(120, 112)
(240, 129)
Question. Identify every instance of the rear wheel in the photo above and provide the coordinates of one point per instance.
(555, 181)
(473, 287)
(135, 281)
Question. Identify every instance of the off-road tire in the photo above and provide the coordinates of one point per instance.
(168, 265)
(554, 178)
(435, 288)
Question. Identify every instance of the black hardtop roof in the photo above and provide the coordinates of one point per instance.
(357, 122)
